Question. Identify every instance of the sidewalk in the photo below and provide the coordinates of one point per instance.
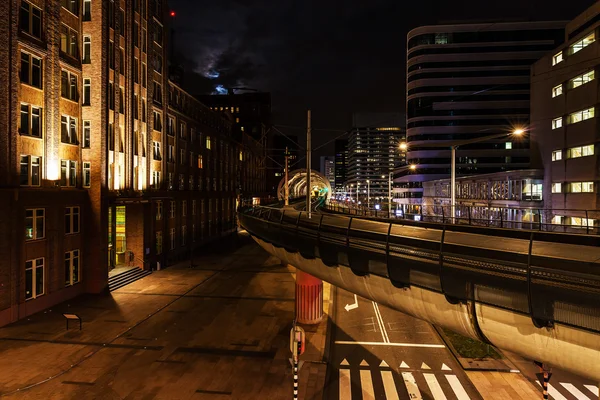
(218, 331)
(503, 386)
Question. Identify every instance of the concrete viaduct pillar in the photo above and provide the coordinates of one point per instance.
(309, 298)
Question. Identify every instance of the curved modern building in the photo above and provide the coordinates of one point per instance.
(464, 82)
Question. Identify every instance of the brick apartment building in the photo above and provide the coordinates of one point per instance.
(104, 161)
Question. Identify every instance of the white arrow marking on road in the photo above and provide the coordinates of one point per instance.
(345, 389)
(366, 384)
(363, 363)
(383, 364)
(425, 366)
(434, 386)
(349, 307)
(593, 389)
(404, 365)
(388, 384)
(411, 386)
(574, 391)
(344, 362)
(446, 368)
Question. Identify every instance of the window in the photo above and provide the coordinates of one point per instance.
(159, 210)
(111, 136)
(583, 43)
(182, 156)
(557, 123)
(71, 267)
(581, 151)
(582, 222)
(30, 171)
(200, 161)
(87, 50)
(111, 96)
(136, 72)
(557, 155)
(157, 120)
(68, 129)
(157, 92)
(35, 222)
(68, 41)
(31, 70)
(156, 151)
(34, 278)
(87, 91)
(155, 179)
(183, 234)
(68, 173)
(208, 142)
(172, 237)
(121, 17)
(71, 5)
(558, 57)
(191, 182)
(192, 159)
(156, 61)
(581, 187)
(144, 40)
(182, 130)
(557, 90)
(557, 220)
(30, 19)
(136, 34)
(144, 75)
(556, 187)
(581, 79)
(193, 207)
(241, 155)
(172, 210)
(143, 110)
(87, 10)
(156, 31)
(87, 132)
(582, 115)
(170, 153)
(71, 220)
(68, 85)
(171, 125)
(121, 100)
(121, 61)
(30, 122)
(87, 174)
(159, 242)
(170, 180)
(181, 181)
(184, 208)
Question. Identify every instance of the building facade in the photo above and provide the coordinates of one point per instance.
(565, 127)
(341, 164)
(106, 162)
(374, 153)
(327, 168)
(464, 82)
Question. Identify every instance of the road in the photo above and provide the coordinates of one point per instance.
(379, 353)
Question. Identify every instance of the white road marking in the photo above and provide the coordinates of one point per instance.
(574, 391)
(433, 346)
(553, 392)
(446, 368)
(411, 386)
(390, 387)
(349, 307)
(345, 389)
(434, 386)
(366, 384)
(344, 362)
(425, 366)
(384, 364)
(363, 363)
(380, 322)
(593, 389)
(458, 388)
(404, 365)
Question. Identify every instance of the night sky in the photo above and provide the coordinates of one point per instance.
(318, 54)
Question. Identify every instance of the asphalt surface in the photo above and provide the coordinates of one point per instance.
(379, 353)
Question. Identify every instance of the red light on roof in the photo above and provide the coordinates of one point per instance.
(172, 13)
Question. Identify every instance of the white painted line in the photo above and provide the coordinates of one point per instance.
(345, 389)
(349, 307)
(380, 322)
(363, 363)
(574, 391)
(366, 384)
(389, 386)
(344, 362)
(458, 388)
(411, 386)
(434, 386)
(404, 365)
(515, 371)
(384, 364)
(433, 346)
(446, 368)
(553, 392)
(424, 366)
(593, 389)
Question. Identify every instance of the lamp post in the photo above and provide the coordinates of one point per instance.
(390, 194)
(453, 146)
(368, 194)
(357, 191)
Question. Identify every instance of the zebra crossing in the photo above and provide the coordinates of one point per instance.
(436, 382)
(568, 391)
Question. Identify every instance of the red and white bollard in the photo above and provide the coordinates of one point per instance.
(309, 298)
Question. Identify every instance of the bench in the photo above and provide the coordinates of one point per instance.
(75, 317)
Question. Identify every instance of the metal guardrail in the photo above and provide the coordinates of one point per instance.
(509, 268)
(500, 217)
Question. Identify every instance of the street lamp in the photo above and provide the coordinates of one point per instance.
(453, 146)
(357, 191)
(368, 194)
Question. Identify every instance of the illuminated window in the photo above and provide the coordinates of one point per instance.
(68, 173)
(508, 145)
(582, 115)
(557, 155)
(30, 122)
(581, 79)
(581, 187)
(557, 90)
(556, 187)
(200, 161)
(583, 43)
(68, 86)
(581, 151)
(34, 278)
(155, 179)
(208, 142)
(31, 70)
(241, 156)
(71, 267)
(35, 222)
(68, 41)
